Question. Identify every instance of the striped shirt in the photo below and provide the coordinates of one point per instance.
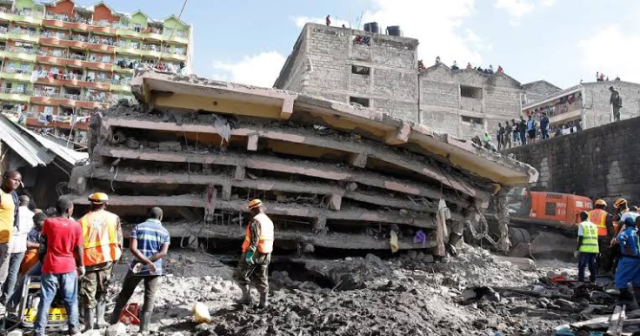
(150, 236)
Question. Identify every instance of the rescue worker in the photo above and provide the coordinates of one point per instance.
(603, 221)
(620, 213)
(256, 255)
(628, 270)
(587, 247)
(102, 248)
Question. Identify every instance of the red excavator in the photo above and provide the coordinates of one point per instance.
(542, 224)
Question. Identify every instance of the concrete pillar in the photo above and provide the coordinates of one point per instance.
(334, 201)
(226, 192)
(358, 160)
(502, 215)
(252, 142)
(239, 173)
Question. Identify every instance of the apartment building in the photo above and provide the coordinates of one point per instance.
(60, 61)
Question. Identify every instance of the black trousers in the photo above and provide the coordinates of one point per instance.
(129, 285)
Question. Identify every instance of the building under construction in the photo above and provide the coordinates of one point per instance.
(331, 175)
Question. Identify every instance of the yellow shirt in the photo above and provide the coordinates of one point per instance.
(7, 209)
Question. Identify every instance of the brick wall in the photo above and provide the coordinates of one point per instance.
(600, 162)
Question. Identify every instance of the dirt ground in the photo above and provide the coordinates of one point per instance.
(398, 296)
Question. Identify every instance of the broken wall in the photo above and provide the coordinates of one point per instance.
(595, 162)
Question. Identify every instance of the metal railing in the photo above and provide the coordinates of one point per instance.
(15, 91)
(20, 50)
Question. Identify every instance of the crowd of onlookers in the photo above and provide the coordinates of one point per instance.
(517, 133)
(455, 67)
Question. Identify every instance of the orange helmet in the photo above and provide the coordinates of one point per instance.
(255, 204)
(98, 198)
(619, 202)
(601, 202)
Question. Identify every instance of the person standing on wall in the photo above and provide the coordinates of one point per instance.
(544, 126)
(531, 129)
(9, 205)
(616, 102)
(508, 130)
(500, 136)
(522, 128)
(587, 249)
(256, 255)
(102, 249)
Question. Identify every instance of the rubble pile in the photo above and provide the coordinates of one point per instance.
(396, 296)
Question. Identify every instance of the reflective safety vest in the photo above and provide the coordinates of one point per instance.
(100, 231)
(599, 218)
(265, 244)
(589, 238)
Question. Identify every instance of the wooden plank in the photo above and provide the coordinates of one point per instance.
(616, 321)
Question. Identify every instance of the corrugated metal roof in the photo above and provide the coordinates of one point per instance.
(69, 155)
(34, 148)
(24, 145)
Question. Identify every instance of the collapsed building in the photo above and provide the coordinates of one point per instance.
(331, 175)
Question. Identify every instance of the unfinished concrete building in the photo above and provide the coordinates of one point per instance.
(538, 90)
(355, 67)
(586, 104)
(466, 102)
(381, 72)
(331, 175)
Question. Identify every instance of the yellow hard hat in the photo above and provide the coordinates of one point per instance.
(619, 202)
(601, 202)
(255, 203)
(98, 198)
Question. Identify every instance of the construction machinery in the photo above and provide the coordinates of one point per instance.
(25, 315)
(542, 223)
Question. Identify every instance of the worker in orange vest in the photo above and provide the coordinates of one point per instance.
(102, 249)
(256, 255)
(603, 221)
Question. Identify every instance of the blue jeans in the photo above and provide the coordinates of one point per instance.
(516, 138)
(14, 268)
(587, 259)
(545, 133)
(523, 138)
(68, 291)
(36, 270)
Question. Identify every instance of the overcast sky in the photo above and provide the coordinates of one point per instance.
(561, 41)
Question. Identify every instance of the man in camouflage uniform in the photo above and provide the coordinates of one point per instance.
(616, 101)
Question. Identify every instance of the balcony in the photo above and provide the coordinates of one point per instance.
(15, 74)
(64, 21)
(18, 53)
(122, 85)
(71, 59)
(183, 39)
(89, 101)
(15, 95)
(22, 16)
(21, 34)
(78, 41)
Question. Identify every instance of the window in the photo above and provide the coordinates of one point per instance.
(364, 102)
(472, 120)
(360, 70)
(550, 209)
(471, 92)
(48, 110)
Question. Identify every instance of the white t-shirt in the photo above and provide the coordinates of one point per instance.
(629, 214)
(20, 233)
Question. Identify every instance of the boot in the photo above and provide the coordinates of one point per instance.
(145, 321)
(100, 311)
(264, 300)
(89, 319)
(636, 294)
(246, 296)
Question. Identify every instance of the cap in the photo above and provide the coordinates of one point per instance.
(255, 204)
(630, 221)
(98, 198)
(619, 202)
(601, 202)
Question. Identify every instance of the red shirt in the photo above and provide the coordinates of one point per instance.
(63, 235)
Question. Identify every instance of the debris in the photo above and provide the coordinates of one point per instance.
(201, 313)
(117, 329)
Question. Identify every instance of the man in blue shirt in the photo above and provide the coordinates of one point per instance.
(628, 270)
(149, 243)
(544, 126)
